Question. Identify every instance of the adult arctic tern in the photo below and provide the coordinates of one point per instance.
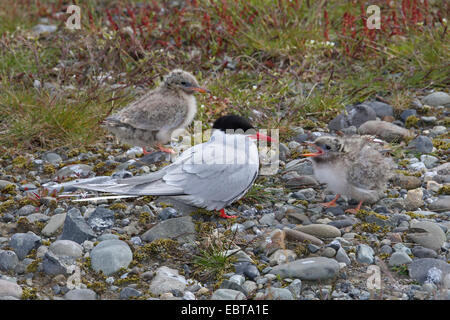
(211, 175)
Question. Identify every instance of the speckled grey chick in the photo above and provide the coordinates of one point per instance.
(352, 166)
(152, 119)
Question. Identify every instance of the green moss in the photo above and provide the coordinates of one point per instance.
(87, 263)
(401, 270)
(52, 204)
(414, 215)
(204, 227)
(75, 152)
(21, 162)
(407, 173)
(33, 266)
(144, 217)
(444, 190)
(98, 286)
(370, 227)
(302, 202)
(6, 205)
(118, 206)
(160, 245)
(29, 294)
(441, 144)
(165, 205)
(25, 201)
(31, 254)
(363, 214)
(310, 124)
(384, 256)
(9, 189)
(49, 168)
(163, 248)
(98, 166)
(358, 237)
(148, 199)
(301, 250)
(411, 122)
(127, 280)
(102, 168)
(202, 212)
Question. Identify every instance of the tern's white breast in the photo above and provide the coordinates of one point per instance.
(334, 176)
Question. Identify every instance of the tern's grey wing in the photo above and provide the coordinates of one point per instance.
(152, 112)
(212, 183)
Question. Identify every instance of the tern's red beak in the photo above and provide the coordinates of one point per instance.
(201, 90)
(260, 136)
(315, 154)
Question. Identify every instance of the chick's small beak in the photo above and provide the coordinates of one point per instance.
(315, 154)
(260, 136)
(201, 90)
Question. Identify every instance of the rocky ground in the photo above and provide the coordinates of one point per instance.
(283, 245)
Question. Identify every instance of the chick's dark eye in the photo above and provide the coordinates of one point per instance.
(328, 147)
(184, 83)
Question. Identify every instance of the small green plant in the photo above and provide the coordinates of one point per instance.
(401, 270)
(214, 258)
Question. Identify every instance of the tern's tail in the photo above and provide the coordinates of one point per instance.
(149, 184)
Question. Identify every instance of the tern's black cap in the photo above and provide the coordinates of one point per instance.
(233, 122)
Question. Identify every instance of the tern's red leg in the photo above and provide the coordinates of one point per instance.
(145, 152)
(355, 210)
(163, 149)
(332, 203)
(225, 216)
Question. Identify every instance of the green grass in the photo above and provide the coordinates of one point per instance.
(39, 118)
(212, 260)
(281, 78)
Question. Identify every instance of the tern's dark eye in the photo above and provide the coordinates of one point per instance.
(328, 147)
(186, 84)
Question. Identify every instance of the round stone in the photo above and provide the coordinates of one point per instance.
(111, 255)
(329, 252)
(436, 99)
(414, 199)
(322, 231)
(66, 248)
(80, 294)
(315, 268)
(227, 294)
(26, 210)
(278, 294)
(10, 289)
(429, 234)
(399, 258)
(8, 260)
(23, 243)
(364, 254)
(166, 280)
(422, 270)
(282, 256)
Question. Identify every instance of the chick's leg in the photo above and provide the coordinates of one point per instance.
(332, 203)
(355, 210)
(164, 149)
